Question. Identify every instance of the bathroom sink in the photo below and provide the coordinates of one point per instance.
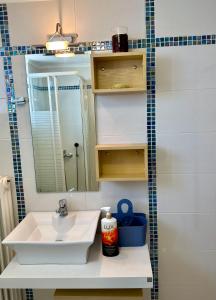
(47, 238)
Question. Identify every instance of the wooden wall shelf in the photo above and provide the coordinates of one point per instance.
(122, 72)
(127, 162)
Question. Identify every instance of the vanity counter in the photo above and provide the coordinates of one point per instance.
(130, 269)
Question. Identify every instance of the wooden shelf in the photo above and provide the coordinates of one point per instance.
(127, 162)
(123, 177)
(120, 91)
(124, 69)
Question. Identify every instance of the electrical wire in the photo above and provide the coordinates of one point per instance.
(59, 4)
(75, 16)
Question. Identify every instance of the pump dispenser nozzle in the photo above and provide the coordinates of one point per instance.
(108, 215)
(105, 210)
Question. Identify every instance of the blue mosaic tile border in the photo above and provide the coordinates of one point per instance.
(88, 46)
(29, 294)
(191, 40)
(5, 38)
(151, 136)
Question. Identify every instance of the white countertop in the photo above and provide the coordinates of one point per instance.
(130, 269)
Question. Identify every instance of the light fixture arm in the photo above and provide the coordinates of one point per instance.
(57, 41)
(58, 28)
(58, 32)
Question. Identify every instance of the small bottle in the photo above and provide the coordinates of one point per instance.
(109, 235)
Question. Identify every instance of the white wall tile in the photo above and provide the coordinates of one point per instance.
(43, 294)
(186, 153)
(187, 232)
(4, 125)
(122, 139)
(19, 73)
(23, 120)
(30, 23)
(27, 157)
(96, 18)
(185, 17)
(186, 193)
(6, 163)
(186, 111)
(185, 68)
(187, 268)
(111, 192)
(114, 117)
(200, 291)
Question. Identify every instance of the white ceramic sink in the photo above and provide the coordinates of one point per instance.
(46, 238)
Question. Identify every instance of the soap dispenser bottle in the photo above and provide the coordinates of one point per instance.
(109, 235)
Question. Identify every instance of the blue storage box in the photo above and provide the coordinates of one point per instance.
(131, 226)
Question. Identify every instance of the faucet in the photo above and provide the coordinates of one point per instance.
(62, 210)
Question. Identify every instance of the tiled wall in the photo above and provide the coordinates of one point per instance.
(186, 164)
(185, 122)
(186, 141)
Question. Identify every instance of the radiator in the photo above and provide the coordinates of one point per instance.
(7, 224)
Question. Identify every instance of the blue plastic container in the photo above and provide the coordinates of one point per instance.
(131, 226)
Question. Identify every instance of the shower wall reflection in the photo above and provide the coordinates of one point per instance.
(63, 122)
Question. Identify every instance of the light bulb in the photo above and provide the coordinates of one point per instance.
(57, 45)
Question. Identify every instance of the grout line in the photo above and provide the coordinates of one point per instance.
(185, 90)
(185, 174)
(188, 213)
(195, 132)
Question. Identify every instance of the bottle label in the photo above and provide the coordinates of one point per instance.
(110, 236)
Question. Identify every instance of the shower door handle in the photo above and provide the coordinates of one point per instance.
(67, 154)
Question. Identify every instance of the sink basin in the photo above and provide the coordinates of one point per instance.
(46, 238)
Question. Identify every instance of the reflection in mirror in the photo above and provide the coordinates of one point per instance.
(63, 122)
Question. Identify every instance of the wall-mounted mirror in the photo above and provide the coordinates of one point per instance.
(63, 122)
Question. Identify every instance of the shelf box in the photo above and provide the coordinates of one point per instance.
(122, 72)
(128, 162)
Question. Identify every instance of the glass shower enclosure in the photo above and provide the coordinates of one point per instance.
(62, 141)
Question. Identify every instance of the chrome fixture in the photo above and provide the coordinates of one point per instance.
(60, 42)
(19, 100)
(57, 40)
(62, 210)
(67, 154)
